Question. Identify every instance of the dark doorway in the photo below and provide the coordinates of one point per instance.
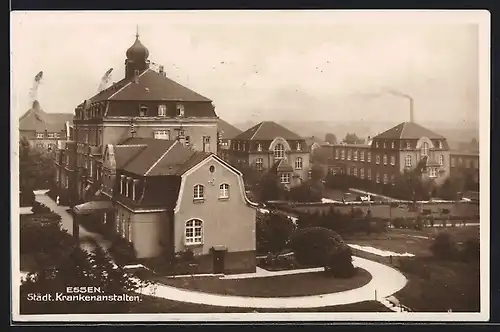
(218, 260)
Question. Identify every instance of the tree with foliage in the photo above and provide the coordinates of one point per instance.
(35, 167)
(352, 138)
(319, 246)
(270, 188)
(450, 187)
(330, 138)
(273, 231)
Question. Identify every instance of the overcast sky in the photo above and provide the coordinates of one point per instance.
(261, 65)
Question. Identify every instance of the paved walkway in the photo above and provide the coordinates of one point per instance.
(261, 273)
(385, 282)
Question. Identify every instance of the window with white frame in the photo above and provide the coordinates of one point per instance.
(408, 144)
(377, 178)
(385, 159)
(298, 163)
(441, 160)
(162, 134)
(386, 179)
(356, 155)
(362, 173)
(376, 144)
(393, 160)
(452, 161)
(369, 174)
(425, 149)
(336, 154)
(224, 190)
(355, 171)
(194, 231)
(369, 157)
(408, 160)
(57, 135)
(393, 179)
(198, 192)
(349, 154)
(179, 109)
(377, 159)
(258, 163)
(259, 147)
(279, 151)
(362, 156)
(51, 135)
(162, 110)
(432, 172)
(39, 135)
(393, 144)
(298, 146)
(285, 178)
(385, 144)
(342, 154)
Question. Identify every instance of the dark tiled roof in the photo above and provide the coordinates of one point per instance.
(195, 159)
(150, 86)
(464, 153)
(267, 131)
(39, 120)
(408, 130)
(227, 130)
(141, 160)
(125, 153)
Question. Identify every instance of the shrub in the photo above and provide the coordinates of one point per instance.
(273, 231)
(319, 246)
(39, 208)
(122, 251)
(444, 247)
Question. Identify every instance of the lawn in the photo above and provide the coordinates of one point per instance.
(151, 304)
(437, 286)
(411, 241)
(303, 284)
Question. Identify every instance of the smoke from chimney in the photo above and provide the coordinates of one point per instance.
(105, 80)
(400, 94)
(34, 89)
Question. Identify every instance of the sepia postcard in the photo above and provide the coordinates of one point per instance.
(286, 165)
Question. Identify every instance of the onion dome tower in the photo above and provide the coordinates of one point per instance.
(137, 58)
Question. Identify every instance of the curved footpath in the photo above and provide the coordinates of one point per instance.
(385, 282)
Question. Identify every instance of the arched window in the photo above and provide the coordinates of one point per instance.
(378, 178)
(199, 192)
(425, 149)
(224, 190)
(298, 163)
(279, 151)
(194, 231)
(393, 160)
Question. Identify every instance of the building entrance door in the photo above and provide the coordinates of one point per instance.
(218, 257)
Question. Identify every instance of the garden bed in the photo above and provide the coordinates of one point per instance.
(304, 284)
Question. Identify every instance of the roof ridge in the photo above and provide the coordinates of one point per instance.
(255, 133)
(126, 85)
(159, 159)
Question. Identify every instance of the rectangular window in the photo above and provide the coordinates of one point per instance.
(51, 135)
(162, 110)
(432, 172)
(224, 190)
(336, 154)
(259, 147)
(57, 135)
(408, 145)
(369, 174)
(356, 155)
(385, 159)
(369, 157)
(393, 160)
(349, 154)
(258, 163)
(362, 173)
(377, 177)
(386, 179)
(408, 161)
(298, 146)
(342, 154)
(162, 134)
(180, 110)
(377, 159)
(298, 163)
(285, 178)
(355, 171)
(362, 156)
(39, 135)
(348, 171)
(393, 145)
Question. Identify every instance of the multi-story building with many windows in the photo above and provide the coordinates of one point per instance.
(390, 153)
(269, 145)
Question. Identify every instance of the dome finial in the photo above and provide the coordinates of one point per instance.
(137, 31)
